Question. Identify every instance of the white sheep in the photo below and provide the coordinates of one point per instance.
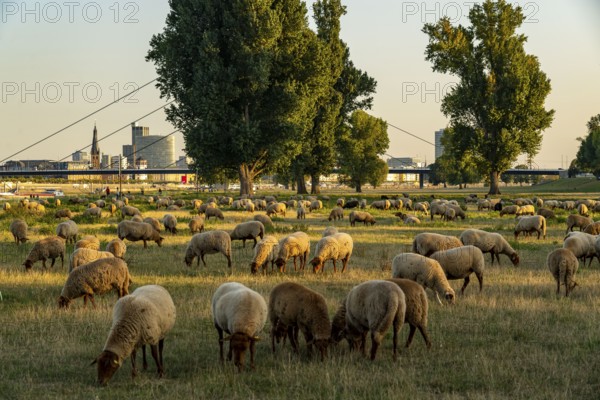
(84, 255)
(214, 212)
(330, 230)
(294, 245)
(582, 245)
(336, 214)
(276, 208)
(170, 223)
(315, 205)
(296, 307)
(381, 204)
(197, 224)
(374, 306)
(417, 307)
(248, 230)
(97, 277)
(142, 318)
(574, 220)
(489, 242)
(265, 251)
(135, 231)
(95, 212)
(117, 247)
(425, 271)
(300, 212)
(18, 228)
(210, 242)
(334, 247)
(88, 242)
(47, 248)
(67, 230)
(130, 211)
(563, 265)
(535, 223)
(582, 209)
(241, 313)
(265, 219)
(460, 263)
(152, 221)
(509, 210)
(427, 243)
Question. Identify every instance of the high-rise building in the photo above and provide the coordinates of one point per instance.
(158, 151)
(95, 152)
(81, 156)
(130, 151)
(439, 147)
(105, 161)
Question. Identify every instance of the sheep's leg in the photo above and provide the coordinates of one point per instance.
(466, 283)
(411, 335)
(293, 339)
(44, 263)
(492, 254)
(244, 243)
(375, 339)
(133, 367)
(295, 268)
(144, 360)
(145, 244)
(396, 327)
(425, 335)
(252, 349)
(228, 261)
(480, 279)
(345, 264)
(159, 369)
(203, 262)
(91, 296)
(273, 334)
(557, 286)
(334, 266)
(255, 242)
(498, 257)
(220, 332)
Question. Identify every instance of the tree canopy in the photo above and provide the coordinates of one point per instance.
(588, 155)
(497, 107)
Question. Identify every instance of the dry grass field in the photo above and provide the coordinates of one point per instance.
(515, 340)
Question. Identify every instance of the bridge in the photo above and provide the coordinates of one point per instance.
(186, 171)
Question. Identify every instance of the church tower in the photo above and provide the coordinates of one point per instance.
(95, 152)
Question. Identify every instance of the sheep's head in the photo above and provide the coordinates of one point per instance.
(280, 262)
(63, 302)
(317, 263)
(239, 344)
(515, 259)
(28, 264)
(108, 363)
(450, 296)
(159, 241)
(253, 268)
(321, 345)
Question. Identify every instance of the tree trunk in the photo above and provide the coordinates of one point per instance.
(494, 182)
(358, 187)
(301, 185)
(246, 180)
(315, 188)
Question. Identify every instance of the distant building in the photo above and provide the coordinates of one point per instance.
(439, 147)
(114, 162)
(105, 161)
(158, 151)
(401, 163)
(95, 151)
(81, 156)
(183, 162)
(129, 153)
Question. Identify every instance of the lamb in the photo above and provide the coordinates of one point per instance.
(330, 230)
(425, 271)
(563, 265)
(460, 263)
(100, 203)
(265, 251)
(130, 211)
(154, 222)
(88, 242)
(97, 277)
(170, 223)
(374, 306)
(18, 228)
(47, 248)
(428, 243)
(67, 230)
(489, 242)
(241, 313)
(197, 224)
(535, 223)
(265, 219)
(180, 203)
(417, 307)
(84, 255)
(297, 307)
(509, 210)
(162, 202)
(117, 248)
(335, 214)
(214, 212)
(135, 231)
(276, 208)
(361, 216)
(142, 318)
(294, 245)
(335, 247)
(574, 220)
(248, 230)
(63, 213)
(210, 242)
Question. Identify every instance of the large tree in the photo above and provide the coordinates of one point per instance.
(364, 140)
(459, 166)
(245, 75)
(497, 107)
(588, 155)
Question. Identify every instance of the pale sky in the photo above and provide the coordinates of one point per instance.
(62, 60)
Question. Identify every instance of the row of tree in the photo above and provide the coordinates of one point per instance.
(257, 91)
(588, 155)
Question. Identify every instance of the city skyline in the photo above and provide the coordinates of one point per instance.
(86, 63)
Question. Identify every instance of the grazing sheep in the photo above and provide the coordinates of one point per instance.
(484, 204)
(460, 263)
(509, 210)
(422, 207)
(425, 271)
(241, 313)
(84, 255)
(593, 229)
(437, 209)
(335, 214)
(142, 318)
(428, 243)
(67, 230)
(173, 207)
(417, 307)
(582, 209)
(525, 210)
(47, 248)
(97, 277)
(300, 212)
(180, 203)
(137, 218)
(210, 242)
(352, 204)
(18, 228)
(162, 202)
(340, 202)
(265, 251)
(63, 213)
(265, 219)
(330, 230)
(449, 215)
(335, 247)
(546, 213)
(563, 265)
(582, 245)
(535, 223)
(6, 206)
(196, 204)
(170, 223)
(294, 245)
(489, 242)
(276, 208)
(361, 216)
(130, 211)
(154, 222)
(197, 224)
(381, 204)
(117, 247)
(374, 306)
(407, 218)
(135, 231)
(315, 205)
(214, 212)
(248, 230)
(296, 307)
(574, 220)
(94, 212)
(112, 208)
(88, 242)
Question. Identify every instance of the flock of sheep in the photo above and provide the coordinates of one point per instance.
(145, 316)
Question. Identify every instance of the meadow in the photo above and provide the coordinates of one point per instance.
(516, 339)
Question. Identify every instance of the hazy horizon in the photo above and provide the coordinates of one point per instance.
(61, 61)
